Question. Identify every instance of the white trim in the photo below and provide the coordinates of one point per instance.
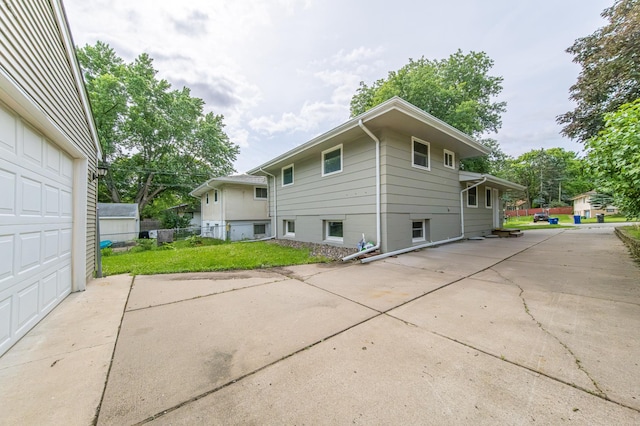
(286, 231)
(255, 195)
(292, 175)
(327, 237)
(489, 198)
(419, 239)
(453, 159)
(472, 186)
(413, 151)
(327, 151)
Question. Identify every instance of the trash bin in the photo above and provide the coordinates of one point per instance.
(553, 221)
(576, 219)
(600, 217)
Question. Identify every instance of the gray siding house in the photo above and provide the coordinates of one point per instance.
(392, 174)
(48, 159)
(234, 208)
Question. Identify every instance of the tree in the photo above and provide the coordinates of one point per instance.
(610, 73)
(457, 90)
(155, 140)
(614, 157)
(552, 176)
(600, 200)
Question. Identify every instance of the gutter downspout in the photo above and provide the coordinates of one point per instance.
(274, 226)
(378, 219)
(435, 243)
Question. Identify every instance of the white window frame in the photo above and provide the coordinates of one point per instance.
(330, 150)
(451, 154)
(255, 193)
(206, 198)
(415, 140)
(333, 238)
(488, 197)
(216, 196)
(259, 233)
(290, 166)
(418, 239)
(288, 233)
(473, 206)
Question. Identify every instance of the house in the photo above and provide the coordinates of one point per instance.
(391, 174)
(48, 163)
(119, 222)
(582, 206)
(234, 207)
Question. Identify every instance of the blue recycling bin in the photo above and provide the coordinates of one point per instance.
(576, 219)
(553, 221)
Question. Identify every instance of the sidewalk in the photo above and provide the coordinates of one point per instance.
(541, 329)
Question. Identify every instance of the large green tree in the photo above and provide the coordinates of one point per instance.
(551, 176)
(155, 140)
(458, 90)
(614, 157)
(610, 73)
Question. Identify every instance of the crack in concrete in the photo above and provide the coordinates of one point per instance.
(599, 391)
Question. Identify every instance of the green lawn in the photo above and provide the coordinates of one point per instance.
(564, 221)
(181, 257)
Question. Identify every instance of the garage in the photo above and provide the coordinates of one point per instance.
(49, 152)
(36, 208)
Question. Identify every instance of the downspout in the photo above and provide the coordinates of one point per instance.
(378, 219)
(435, 243)
(274, 226)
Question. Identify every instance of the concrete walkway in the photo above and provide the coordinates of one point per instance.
(542, 329)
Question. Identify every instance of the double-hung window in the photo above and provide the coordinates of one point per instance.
(287, 175)
(420, 154)
(449, 159)
(472, 196)
(332, 160)
(417, 230)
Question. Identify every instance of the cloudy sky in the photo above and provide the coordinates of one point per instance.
(284, 71)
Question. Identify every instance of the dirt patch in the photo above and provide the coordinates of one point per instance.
(331, 252)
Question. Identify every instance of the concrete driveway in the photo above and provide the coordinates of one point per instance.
(542, 329)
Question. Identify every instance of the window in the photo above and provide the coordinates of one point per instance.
(287, 175)
(259, 228)
(261, 194)
(449, 159)
(333, 230)
(207, 202)
(417, 230)
(420, 154)
(332, 161)
(488, 199)
(290, 228)
(472, 196)
(215, 196)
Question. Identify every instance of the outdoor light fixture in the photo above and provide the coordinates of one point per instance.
(102, 171)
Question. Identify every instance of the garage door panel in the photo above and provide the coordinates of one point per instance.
(31, 199)
(8, 129)
(6, 257)
(5, 322)
(65, 242)
(32, 146)
(29, 252)
(52, 201)
(64, 281)
(51, 245)
(66, 204)
(49, 291)
(53, 158)
(27, 307)
(7, 192)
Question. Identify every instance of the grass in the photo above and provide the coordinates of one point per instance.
(633, 231)
(564, 221)
(181, 257)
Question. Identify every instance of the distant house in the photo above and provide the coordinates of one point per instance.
(582, 206)
(119, 222)
(189, 211)
(49, 152)
(234, 207)
(391, 174)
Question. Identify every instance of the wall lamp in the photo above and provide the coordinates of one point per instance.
(102, 171)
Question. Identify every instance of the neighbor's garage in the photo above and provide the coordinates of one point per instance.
(36, 218)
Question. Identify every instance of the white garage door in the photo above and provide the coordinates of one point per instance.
(36, 179)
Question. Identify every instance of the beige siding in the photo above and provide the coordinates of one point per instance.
(239, 203)
(33, 54)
